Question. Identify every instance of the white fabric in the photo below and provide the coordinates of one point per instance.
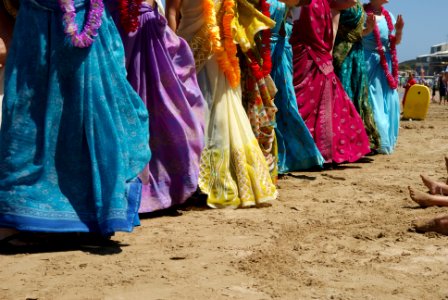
(226, 109)
(234, 171)
(160, 6)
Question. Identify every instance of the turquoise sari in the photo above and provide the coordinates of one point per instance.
(74, 133)
(296, 147)
(385, 101)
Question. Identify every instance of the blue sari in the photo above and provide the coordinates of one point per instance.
(296, 147)
(385, 101)
(74, 133)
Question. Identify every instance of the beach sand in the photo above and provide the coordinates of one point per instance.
(335, 234)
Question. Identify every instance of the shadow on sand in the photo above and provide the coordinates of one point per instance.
(30, 242)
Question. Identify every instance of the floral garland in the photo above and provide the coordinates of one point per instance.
(226, 52)
(258, 71)
(129, 12)
(392, 79)
(266, 41)
(90, 30)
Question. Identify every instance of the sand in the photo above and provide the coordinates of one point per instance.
(337, 234)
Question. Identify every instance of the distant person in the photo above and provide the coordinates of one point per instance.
(411, 81)
(442, 87)
(403, 80)
(434, 86)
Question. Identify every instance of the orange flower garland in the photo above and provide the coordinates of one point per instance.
(227, 55)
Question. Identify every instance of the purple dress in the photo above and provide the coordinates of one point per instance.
(161, 69)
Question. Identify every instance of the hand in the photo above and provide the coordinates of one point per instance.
(399, 24)
(370, 23)
(3, 53)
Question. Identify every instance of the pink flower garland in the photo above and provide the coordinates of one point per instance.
(90, 30)
(392, 79)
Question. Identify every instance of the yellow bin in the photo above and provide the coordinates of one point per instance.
(417, 102)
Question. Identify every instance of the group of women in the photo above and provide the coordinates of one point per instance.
(111, 109)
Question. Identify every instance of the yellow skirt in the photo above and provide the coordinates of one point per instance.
(233, 171)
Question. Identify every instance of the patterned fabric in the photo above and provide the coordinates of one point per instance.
(258, 95)
(74, 133)
(258, 100)
(161, 69)
(247, 184)
(385, 101)
(296, 147)
(8, 8)
(323, 104)
(249, 22)
(201, 47)
(349, 63)
(233, 171)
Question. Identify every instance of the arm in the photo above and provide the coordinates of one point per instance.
(172, 13)
(399, 25)
(370, 24)
(6, 27)
(342, 4)
(2, 53)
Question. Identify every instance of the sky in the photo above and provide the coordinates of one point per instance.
(426, 24)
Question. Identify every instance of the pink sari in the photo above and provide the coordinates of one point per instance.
(329, 114)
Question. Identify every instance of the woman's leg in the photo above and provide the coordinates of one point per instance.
(426, 200)
(435, 188)
(438, 224)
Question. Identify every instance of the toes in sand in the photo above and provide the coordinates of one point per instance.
(422, 199)
(439, 225)
(430, 184)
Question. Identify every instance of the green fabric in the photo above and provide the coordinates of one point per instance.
(349, 64)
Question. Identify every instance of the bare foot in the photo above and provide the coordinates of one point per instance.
(433, 186)
(422, 199)
(425, 200)
(439, 225)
